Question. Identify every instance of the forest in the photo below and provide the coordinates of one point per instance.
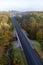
(6, 28)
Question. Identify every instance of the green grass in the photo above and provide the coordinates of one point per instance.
(37, 47)
(18, 54)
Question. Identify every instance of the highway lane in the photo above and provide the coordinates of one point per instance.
(31, 56)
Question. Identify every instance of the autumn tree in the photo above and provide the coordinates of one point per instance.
(39, 35)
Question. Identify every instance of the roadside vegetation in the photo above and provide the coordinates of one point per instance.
(18, 57)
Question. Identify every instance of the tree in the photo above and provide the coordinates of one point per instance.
(39, 35)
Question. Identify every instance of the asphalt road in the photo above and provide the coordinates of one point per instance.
(31, 57)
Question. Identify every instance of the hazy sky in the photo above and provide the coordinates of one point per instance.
(21, 5)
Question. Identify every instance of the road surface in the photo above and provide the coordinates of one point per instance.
(31, 56)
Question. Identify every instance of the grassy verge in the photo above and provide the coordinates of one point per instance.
(18, 57)
(37, 48)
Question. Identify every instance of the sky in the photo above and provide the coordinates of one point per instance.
(21, 5)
